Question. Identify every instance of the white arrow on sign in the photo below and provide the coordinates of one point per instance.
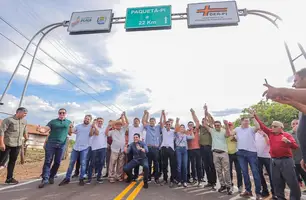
(166, 20)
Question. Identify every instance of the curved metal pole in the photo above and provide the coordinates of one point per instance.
(267, 13)
(285, 43)
(25, 51)
(32, 62)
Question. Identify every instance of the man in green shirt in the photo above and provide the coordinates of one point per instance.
(55, 144)
(12, 131)
(205, 148)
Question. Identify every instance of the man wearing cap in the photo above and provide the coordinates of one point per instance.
(117, 149)
(12, 130)
(283, 171)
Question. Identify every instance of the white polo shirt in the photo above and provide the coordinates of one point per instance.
(133, 130)
(82, 137)
(246, 139)
(99, 141)
(118, 137)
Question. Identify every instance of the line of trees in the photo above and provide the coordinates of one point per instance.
(272, 111)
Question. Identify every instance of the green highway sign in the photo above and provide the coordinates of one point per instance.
(155, 17)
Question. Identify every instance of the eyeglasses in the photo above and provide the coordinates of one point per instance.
(61, 113)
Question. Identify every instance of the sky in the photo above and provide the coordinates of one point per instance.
(174, 70)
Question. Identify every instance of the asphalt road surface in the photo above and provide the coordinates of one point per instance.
(107, 191)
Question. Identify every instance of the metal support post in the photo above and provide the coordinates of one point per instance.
(32, 62)
(19, 62)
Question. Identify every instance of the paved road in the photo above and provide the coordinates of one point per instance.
(107, 191)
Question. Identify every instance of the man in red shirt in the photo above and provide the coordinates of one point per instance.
(283, 171)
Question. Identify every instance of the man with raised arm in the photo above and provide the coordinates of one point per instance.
(55, 144)
(297, 99)
(153, 143)
(194, 150)
(205, 148)
(220, 156)
(247, 154)
(98, 150)
(167, 148)
(283, 172)
(117, 149)
(12, 130)
(80, 149)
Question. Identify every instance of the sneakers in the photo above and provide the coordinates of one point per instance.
(75, 175)
(157, 181)
(171, 185)
(200, 184)
(179, 184)
(229, 191)
(145, 185)
(185, 184)
(222, 189)
(194, 182)
(11, 181)
(81, 182)
(100, 180)
(88, 182)
(246, 194)
(42, 184)
(164, 182)
(51, 181)
(258, 197)
(64, 182)
(240, 189)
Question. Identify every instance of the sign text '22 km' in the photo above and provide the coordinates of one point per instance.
(148, 17)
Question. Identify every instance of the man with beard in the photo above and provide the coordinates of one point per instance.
(80, 148)
(12, 130)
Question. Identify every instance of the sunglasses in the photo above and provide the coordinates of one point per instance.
(61, 113)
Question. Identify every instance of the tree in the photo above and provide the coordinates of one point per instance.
(272, 111)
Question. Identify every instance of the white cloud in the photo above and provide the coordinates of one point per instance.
(173, 69)
(224, 67)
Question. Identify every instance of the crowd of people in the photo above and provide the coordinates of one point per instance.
(186, 154)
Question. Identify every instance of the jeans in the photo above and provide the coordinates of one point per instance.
(207, 158)
(234, 160)
(136, 169)
(73, 158)
(153, 155)
(168, 155)
(97, 162)
(88, 159)
(265, 162)
(245, 159)
(11, 153)
(182, 158)
(196, 164)
(135, 163)
(299, 171)
(53, 151)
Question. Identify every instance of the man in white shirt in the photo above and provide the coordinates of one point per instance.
(167, 148)
(80, 147)
(136, 128)
(264, 160)
(98, 150)
(117, 148)
(247, 155)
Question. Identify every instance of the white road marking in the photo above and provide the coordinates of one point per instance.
(198, 190)
(15, 190)
(25, 183)
(205, 193)
(22, 198)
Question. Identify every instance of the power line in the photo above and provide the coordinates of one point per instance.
(57, 72)
(1, 18)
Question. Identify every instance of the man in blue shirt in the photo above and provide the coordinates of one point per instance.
(138, 149)
(153, 142)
